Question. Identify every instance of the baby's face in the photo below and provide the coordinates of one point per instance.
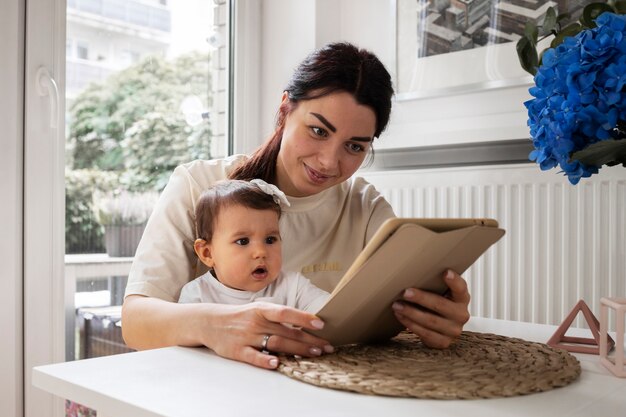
(246, 248)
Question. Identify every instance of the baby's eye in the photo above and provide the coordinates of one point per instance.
(318, 131)
(270, 240)
(243, 241)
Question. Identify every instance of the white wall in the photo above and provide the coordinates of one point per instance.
(11, 122)
(472, 117)
(290, 30)
(287, 35)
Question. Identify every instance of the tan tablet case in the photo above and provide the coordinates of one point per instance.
(404, 253)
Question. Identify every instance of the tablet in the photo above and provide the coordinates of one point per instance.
(404, 253)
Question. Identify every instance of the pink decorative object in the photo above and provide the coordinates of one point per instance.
(579, 344)
(619, 305)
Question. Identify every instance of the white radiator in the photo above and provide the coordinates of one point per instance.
(563, 243)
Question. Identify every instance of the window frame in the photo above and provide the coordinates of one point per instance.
(245, 75)
(12, 26)
(43, 209)
(47, 303)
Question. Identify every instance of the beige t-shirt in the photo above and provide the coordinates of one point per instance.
(322, 234)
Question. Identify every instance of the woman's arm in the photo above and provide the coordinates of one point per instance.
(149, 323)
(440, 322)
(234, 332)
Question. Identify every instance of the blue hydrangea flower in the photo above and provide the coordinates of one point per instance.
(579, 96)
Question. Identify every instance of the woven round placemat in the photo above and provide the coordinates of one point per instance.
(478, 365)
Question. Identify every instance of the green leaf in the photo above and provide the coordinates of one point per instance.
(531, 32)
(620, 6)
(549, 23)
(527, 54)
(570, 30)
(592, 11)
(605, 152)
(563, 16)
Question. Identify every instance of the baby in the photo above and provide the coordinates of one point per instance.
(239, 240)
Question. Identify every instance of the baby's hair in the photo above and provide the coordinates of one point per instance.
(228, 193)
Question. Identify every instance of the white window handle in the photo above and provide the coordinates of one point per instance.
(46, 86)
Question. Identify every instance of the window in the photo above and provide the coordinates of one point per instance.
(128, 58)
(159, 100)
(69, 50)
(67, 93)
(82, 50)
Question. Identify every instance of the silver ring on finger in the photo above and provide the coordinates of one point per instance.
(266, 338)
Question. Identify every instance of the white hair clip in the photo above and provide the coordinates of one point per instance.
(278, 196)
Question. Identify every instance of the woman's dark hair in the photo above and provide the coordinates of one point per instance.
(336, 67)
(227, 193)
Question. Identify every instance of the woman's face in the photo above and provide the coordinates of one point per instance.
(324, 142)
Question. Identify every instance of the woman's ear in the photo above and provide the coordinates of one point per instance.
(285, 98)
(203, 250)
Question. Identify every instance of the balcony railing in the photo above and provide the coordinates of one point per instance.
(89, 277)
(126, 11)
(97, 272)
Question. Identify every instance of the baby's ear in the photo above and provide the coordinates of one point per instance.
(203, 250)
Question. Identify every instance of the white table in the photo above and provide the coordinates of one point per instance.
(190, 382)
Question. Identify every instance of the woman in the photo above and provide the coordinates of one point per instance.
(337, 102)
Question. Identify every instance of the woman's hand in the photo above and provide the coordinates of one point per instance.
(441, 320)
(238, 332)
(235, 332)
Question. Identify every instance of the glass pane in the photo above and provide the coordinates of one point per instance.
(145, 86)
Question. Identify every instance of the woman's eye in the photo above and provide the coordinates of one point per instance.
(355, 147)
(271, 240)
(243, 241)
(318, 131)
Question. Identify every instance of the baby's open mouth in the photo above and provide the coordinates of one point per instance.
(260, 273)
